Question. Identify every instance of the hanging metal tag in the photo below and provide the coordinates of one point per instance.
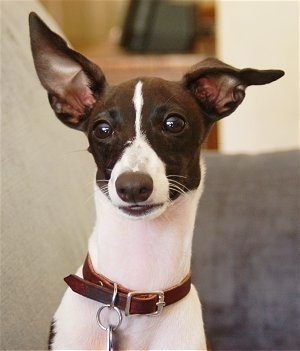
(109, 338)
(110, 328)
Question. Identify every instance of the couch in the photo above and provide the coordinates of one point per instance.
(246, 254)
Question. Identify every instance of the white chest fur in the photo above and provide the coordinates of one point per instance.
(149, 255)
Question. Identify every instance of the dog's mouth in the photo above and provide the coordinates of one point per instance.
(140, 210)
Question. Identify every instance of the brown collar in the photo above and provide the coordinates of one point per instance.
(97, 287)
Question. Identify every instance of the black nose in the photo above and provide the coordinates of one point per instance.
(134, 186)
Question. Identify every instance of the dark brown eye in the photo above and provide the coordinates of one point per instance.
(103, 130)
(174, 124)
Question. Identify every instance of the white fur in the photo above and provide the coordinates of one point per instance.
(141, 255)
(138, 102)
(139, 156)
(146, 254)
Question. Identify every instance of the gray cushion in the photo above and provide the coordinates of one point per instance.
(246, 251)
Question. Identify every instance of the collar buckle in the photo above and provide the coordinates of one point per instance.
(160, 303)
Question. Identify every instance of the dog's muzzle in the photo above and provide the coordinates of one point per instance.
(135, 190)
(134, 187)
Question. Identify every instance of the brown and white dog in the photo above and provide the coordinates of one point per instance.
(145, 136)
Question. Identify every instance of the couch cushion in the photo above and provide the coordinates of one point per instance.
(246, 251)
(46, 192)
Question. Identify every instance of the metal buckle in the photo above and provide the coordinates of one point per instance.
(160, 303)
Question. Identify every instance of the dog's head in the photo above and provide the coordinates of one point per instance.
(145, 134)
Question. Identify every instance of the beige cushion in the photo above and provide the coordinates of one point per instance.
(47, 204)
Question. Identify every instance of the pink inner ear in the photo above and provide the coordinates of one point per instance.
(66, 81)
(217, 93)
(78, 94)
(73, 95)
(206, 90)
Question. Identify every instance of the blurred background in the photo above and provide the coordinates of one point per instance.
(128, 38)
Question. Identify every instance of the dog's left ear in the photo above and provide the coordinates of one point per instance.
(220, 88)
(72, 81)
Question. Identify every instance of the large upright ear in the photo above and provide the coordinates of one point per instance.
(220, 88)
(73, 82)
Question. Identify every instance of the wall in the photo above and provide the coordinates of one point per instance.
(261, 34)
(87, 22)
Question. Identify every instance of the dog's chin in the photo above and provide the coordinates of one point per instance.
(139, 212)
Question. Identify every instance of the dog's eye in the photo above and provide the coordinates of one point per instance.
(103, 130)
(174, 124)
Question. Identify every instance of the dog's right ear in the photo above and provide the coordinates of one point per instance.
(219, 88)
(73, 82)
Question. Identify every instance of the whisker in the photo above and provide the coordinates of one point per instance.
(178, 184)
(177, 189)
(103, 187)
(74, 151)
(89, 198)
(175, 185)
(105, 191)
(102, 181)
(176, 175)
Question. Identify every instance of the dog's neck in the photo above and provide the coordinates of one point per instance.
(144, 254)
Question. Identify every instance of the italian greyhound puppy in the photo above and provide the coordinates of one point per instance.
(134, 288)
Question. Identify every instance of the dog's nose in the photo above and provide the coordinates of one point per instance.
(134, 187)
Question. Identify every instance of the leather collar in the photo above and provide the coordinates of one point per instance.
(97, 287)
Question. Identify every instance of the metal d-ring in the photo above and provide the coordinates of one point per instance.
(113, 326)
(111, 306)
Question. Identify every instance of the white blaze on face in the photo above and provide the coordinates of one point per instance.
(138, 103)
(139, 156)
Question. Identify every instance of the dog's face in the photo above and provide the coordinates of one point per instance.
(145, 135)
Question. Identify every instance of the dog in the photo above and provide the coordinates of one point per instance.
(134, 289)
